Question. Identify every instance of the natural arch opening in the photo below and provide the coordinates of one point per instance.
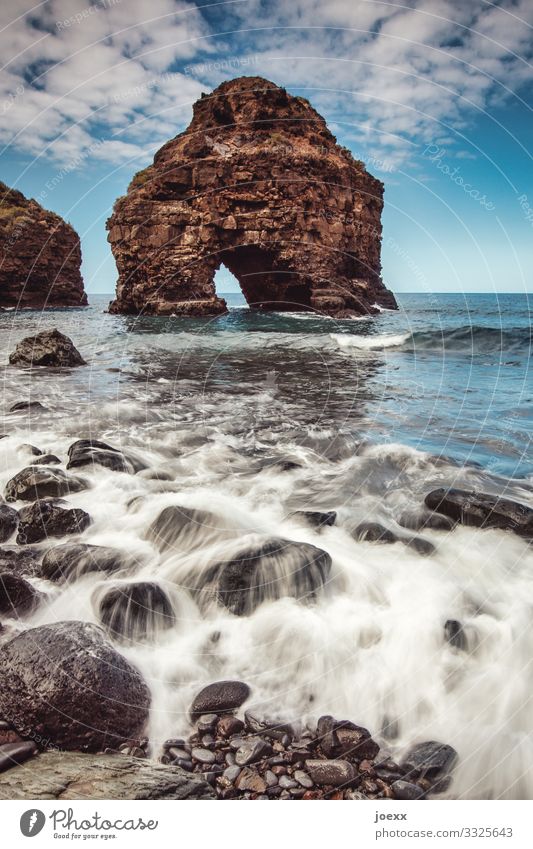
(264, 282)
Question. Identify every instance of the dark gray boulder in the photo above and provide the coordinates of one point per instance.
(29, 406)
(17, 595)
(406, 791)
(66, 684)
(9, 519)
(454, 634)
(21, 561)
(420, 520)
(220, 697)
(93, 452)
(429, 760)
(374, 532)
(45, 519)
(35, 482)
(70, 561)
(76, 775)
(134, 611)
(46, 460)
(48, 348)
(342, 738)
(13, 754)
(178, 528)
(265, 571)
(482, 510)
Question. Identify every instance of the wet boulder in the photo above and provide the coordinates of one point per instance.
(185, 528)
(134, 611)
(9, 519)
(93, 452)
(17, 595)
(482, 510)
(46, 460)
(220, 697)
(45, 519)
(420, 520)
(35, 482)
(66, 684)
(429, 760)
(266, 571)
(374, 532)
(21, 561)
(422, 546)
(48, 348)
(70, 561)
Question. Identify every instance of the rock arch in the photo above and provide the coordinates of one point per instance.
(257, 183)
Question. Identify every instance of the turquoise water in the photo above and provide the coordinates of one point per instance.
(448, 374)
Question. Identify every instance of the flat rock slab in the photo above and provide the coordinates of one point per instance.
(73, 775)
(482, 510)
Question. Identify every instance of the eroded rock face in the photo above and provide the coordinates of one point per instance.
(40, 256)
(66, 684)
(257, 183)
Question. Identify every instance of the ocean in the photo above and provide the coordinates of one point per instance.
(253, 416)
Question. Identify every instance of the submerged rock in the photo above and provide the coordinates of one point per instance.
(374, 532)
(31, 406)
(65, 684)
(89, 452)
(135, 611)
(220, 697)
(429, 760)
(75, 775)
(35, 482)
(482, 510)
(70, 561)
(454, 634)
(45, 519)
(48, 348)
(17, 596)
(269, 570)
(181, 528)
(46, 460)
(299, 227)
(9, 519)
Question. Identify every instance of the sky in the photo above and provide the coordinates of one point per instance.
(435, 96)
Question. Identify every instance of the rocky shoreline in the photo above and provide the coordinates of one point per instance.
(69, 696)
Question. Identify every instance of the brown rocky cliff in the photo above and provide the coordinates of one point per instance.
(256, 182)
(40, 256)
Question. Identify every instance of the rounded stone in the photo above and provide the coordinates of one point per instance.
(220, 697)
(66, 685)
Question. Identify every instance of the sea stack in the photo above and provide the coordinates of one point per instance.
(259, 184)
(40, 256)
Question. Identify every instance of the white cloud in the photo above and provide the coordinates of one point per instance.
(387, 74)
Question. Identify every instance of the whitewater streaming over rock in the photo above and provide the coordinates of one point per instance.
(230, 428)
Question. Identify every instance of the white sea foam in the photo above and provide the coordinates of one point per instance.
(367, 343)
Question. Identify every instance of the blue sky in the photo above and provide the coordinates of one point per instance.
(434, 95)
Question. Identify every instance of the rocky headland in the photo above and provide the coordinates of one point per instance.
(40, 256)
(257, 183)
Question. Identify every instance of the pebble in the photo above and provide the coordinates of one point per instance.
(229, 725)
(203, 756)
(270, 778)
(303, 778)
(287, 783)
(184, 763)
(249, 779)
(252, 751)
(232, 773)
(207, 722)
(176, 752)
(335, 772)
